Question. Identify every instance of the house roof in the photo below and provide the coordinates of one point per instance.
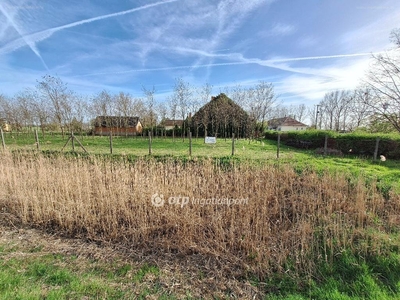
(285, 121)
(116, 121)
(169, 122)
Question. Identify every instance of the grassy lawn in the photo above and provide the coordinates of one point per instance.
(263, 151)
(140, 146)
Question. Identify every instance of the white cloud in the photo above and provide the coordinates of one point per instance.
(345, 75)
(281, 29)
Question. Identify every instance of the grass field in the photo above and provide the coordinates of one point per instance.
(140, 146)
(259, 151)
(312, 226)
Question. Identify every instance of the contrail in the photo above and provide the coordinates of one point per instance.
(261, 63)
(243, 61)
(42, 35)
(163, 69)
(26, 41)
(321, 57)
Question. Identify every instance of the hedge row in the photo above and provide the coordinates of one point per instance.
(348, 143)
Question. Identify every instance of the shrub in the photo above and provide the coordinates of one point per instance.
(355, 143)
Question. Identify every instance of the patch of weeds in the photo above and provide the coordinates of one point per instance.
(384, 188)
(144, 270)
(38, 270)
(36, 249)
(122, 271)
(155, 290)
(59, 277)
(94, 288)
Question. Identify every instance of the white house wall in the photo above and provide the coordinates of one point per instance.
(291, 128)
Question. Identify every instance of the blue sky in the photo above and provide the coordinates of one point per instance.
(305, 48)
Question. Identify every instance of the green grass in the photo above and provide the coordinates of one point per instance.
(60, 277)
(140, 146)
(40, 275)
(345, 275)
(349, 277)
(258, 151)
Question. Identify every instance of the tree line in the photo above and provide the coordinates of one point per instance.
(51, 105)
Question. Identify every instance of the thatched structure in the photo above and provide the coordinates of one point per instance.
(221, 117)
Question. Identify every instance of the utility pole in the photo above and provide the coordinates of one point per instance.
(316, 116)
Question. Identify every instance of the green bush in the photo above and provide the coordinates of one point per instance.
(358, 143)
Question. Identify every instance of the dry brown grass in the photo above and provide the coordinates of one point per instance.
(289, 222)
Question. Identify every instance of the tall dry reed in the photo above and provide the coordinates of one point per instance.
(290, 220)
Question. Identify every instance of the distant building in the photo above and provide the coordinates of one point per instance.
(171, 124)
(129, 126)
(286, 124)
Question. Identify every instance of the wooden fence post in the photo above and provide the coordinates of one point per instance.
(111, 142)
(376, 148)
(279, 145)
(190, 143)
(326, 145)
(149, 143)
(3, 142)
(73, 141)
(37, 140)
(233, 144)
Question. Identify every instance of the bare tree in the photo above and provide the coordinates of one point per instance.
(360, 111)
(24, 109)
(173, 109)
(328, 107)
(41, 111)
(240, 96)
(150, 105)
(312, 114)
(123, 108)
(54, 89)
(162, 112)
(10, 112)
(203, 96)
(140, 110)
(383, 80)
(298, 112)
(80, 113)
(280, 111)
(342, 112)
(182, 94)
(261, 100)
(395, 36)
(103, 104)
(335, 110)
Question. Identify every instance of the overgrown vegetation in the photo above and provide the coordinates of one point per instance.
(357, 143)
(298, 227)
